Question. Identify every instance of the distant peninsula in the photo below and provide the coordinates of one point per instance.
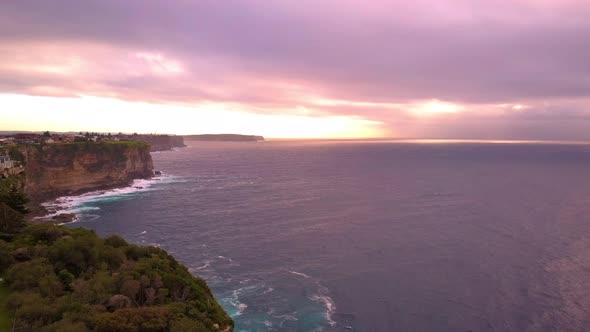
(224, 138)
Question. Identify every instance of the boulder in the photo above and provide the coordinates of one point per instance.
(117, 302)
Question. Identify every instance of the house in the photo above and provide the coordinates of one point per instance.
(6, 162)
(27, 138)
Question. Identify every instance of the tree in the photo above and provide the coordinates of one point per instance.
(68, 280)
(46, 134)
(10, 220)
(16, 199)
(5, 256)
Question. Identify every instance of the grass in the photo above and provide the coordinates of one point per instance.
(5, 319)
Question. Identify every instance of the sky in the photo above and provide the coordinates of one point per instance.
(458, 69)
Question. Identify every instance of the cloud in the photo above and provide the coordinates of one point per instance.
(393, 62)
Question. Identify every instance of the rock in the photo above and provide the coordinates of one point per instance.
(22, 254)
(216, 326)
(64, 218)
(55, 170)
(157, 173)
(117, 302)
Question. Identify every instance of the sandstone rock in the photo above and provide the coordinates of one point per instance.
(117, 302)
(56, 170)
(64, 218)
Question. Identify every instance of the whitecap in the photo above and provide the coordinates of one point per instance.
(234, 300)
(228, 259)
(241, 307)
(329, 304)
(268, 290)
(300, 274)
(204, 266)
(78, 205)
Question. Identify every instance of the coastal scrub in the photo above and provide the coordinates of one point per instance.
(61, 279)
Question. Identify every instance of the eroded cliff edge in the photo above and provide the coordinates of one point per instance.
(54, 170)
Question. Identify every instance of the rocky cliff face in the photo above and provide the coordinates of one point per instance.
(55, 170)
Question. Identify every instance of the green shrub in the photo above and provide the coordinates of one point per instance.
(70, 280)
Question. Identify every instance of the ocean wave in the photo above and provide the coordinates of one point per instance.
(327, 302)
(204, 266)
(300, 274)
(241, 308)
(268, 290)
(228, 259)
(79, 205)
(234, 300)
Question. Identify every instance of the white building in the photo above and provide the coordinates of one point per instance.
(6, 162)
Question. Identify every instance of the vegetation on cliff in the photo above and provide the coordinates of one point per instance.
(11, 193)
(91, 146)
(60, 279)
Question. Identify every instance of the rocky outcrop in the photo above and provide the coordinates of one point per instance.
(55, 170)
(224, 138)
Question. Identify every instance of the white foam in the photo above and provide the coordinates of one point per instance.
(223, 257)
(300, 274)
(328, 304)
(268, 290)
(204, 266)
(235, 297)
(241, 307)
(76, 204)
(326, 301)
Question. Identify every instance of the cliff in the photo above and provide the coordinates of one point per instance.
(162, 142)
(55, 170)
(224, 138)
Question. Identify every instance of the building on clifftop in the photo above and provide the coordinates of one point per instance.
(6, 162)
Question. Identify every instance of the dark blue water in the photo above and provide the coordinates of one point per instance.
(373, 236)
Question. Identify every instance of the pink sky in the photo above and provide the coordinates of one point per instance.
(436, 69)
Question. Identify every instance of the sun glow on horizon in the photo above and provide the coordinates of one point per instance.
(87, 113)
(434, 107)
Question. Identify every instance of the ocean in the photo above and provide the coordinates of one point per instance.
(370, 236)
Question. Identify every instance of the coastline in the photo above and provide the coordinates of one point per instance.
(46, 211)
(252, 302)
(65, 209)
(57, 207)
